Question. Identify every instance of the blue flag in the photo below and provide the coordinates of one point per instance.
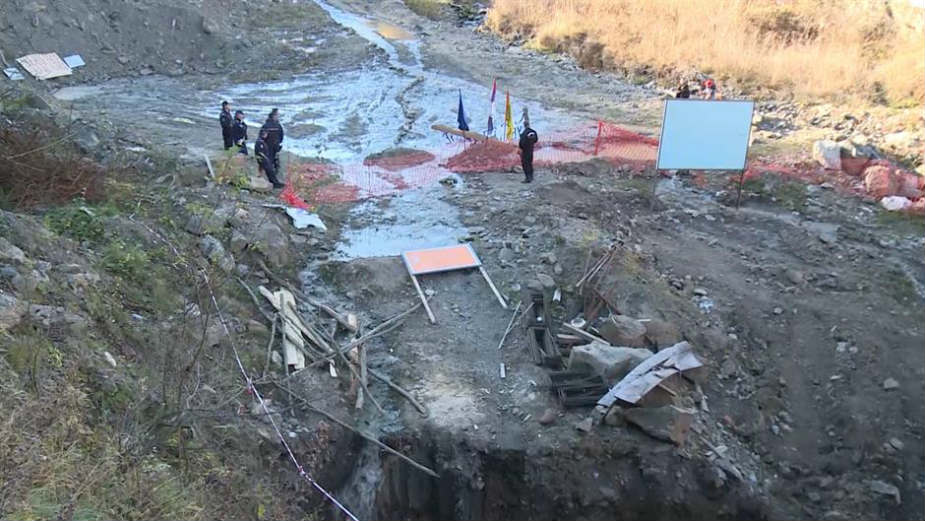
(461, 116)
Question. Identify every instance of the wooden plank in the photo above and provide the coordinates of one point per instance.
(493, 288)
(583, 333)
(570, 340)
(462, 133)
(430, 314)
(510, 325)
(209, 164)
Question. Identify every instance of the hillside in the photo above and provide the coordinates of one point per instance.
(862, 50)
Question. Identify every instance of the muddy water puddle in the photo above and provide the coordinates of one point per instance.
(339, 115)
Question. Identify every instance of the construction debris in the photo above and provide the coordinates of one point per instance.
(647, 375)
(609, 362)
(669, 423)
(44, 66)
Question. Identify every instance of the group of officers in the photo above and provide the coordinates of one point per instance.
(268, 145)
(270, 142)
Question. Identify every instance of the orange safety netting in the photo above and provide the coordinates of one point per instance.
(316, 183)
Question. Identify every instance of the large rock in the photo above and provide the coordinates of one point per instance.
(209, 222)
(270, 240)
(621, 330)
(11, 311)
(855, 158)
(612, 363)
(828, 154)
(662, 334)
(881, 181)
(213, 250)
(238, 242)
(259, 184)
(667, 423)
(10, 253)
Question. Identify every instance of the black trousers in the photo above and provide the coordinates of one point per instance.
(226, 137)
(526, 161)
(270, 171)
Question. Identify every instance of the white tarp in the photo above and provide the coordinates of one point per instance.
(705, 134)
(44, 66)
(302, 219)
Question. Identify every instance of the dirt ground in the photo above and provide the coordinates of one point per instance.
(805, 303)
(797, 364)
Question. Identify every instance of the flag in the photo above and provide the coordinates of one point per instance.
(508, 120)
(461, 115)
(491, 108)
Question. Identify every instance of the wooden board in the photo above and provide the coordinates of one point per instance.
(44, 66)
(462, 133)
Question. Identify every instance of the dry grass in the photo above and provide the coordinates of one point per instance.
(827, 48)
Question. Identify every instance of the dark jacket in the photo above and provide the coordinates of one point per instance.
(226, 120)
(684, 92)
(274, 135)
(262, 151)
(528, 138)
(239, 131)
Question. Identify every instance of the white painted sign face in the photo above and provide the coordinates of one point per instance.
(705, 135)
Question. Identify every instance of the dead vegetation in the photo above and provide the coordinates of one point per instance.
(41, 167)
(871, 51)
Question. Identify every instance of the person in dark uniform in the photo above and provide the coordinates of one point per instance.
(226, 120)
(264, 159)
(528, 139)
(684, 91)
(274, 136)
(239, 132)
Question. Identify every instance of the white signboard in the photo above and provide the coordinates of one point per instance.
(705, 134)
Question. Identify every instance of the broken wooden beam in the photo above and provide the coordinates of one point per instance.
(583, 333)
(475, 136)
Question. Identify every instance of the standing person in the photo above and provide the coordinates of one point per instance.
(239, 132)
(528, 139)
(709, 89)
(274, 136)
(226, 120)
(684, 91)
(264, 159)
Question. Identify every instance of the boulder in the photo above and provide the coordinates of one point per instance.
(11, 311)
(210, 25)
(259, 184)
(238, 242)
(210, 222)
(611, 363)
(213, 250)
(828, 154)
(881, 181)
(661, 334)
(270, 240)
(855, 158)
(667, 423)
(621, 330)
(10, 253)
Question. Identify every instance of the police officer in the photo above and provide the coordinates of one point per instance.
(227, 122)
(239, 132)
(264, 159)
(528, 138)
(274, 136)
